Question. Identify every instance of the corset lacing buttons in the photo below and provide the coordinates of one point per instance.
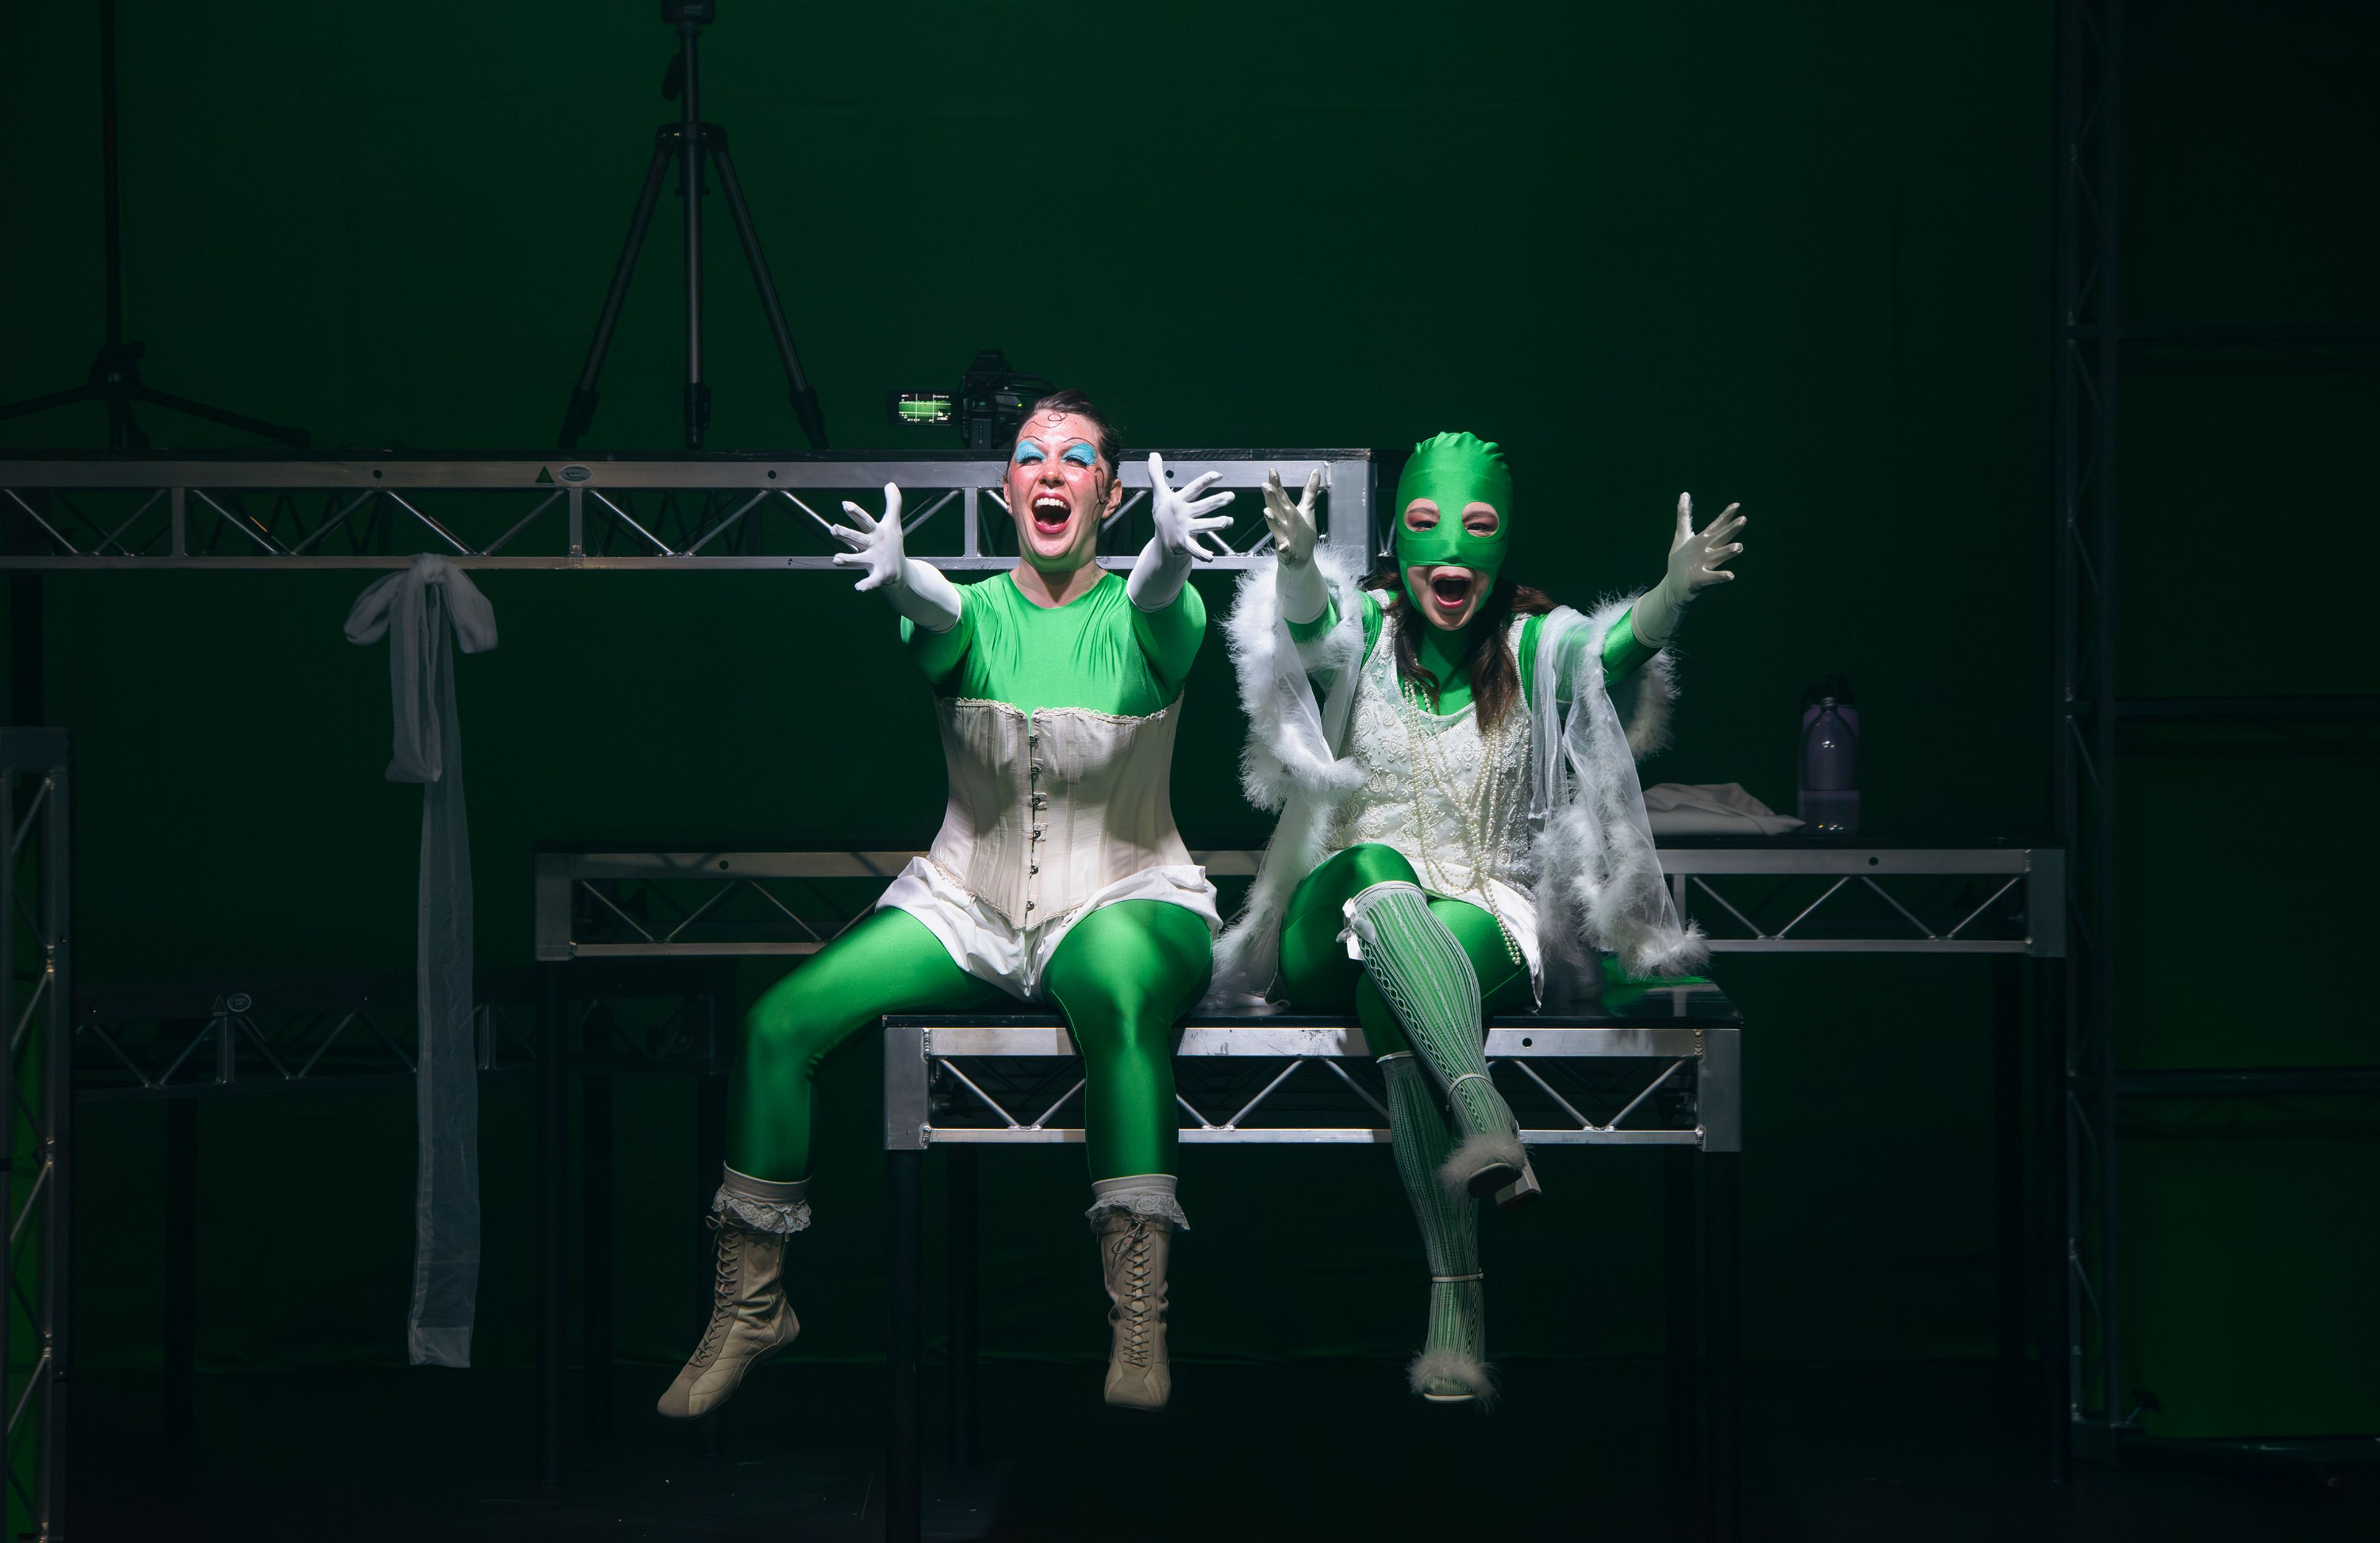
(1038, 801)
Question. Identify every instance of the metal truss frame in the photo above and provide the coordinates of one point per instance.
(1785, 897)
(945, 1081)
(214, 1038)
(37, 1105)
(2089, 375)
(567, 1028)
(682, 514)
(2083, 1085)
(1880, 899)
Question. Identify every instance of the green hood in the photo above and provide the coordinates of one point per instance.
(1454, 470)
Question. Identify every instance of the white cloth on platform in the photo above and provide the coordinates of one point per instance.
(413, 610)
(1712, 809)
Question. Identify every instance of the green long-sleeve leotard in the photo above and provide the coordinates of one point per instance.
(1123, 974)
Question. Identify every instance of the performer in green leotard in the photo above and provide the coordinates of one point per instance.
(1057, 877)
(1461, 823)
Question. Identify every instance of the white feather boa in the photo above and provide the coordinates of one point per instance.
(1599, 885)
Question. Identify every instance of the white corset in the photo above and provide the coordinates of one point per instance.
(1453, 801)
(1048, 810)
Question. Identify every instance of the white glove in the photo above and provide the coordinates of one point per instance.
(1164, 563)
(1298, 585)
(916, 589)
(1697, 560)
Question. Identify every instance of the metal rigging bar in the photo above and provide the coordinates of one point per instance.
(2088, 339)
(36, 1109)
(191, 512)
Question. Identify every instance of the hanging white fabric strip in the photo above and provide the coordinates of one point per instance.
(412, 609)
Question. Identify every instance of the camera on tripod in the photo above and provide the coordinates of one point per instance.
(990, 402)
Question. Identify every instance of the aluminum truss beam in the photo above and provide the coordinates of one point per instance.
(37, 1106)
(2093, 339)
(1666, 1070)
(1771, 896)
(2089, 337)
(217, 1039)
(687, 514)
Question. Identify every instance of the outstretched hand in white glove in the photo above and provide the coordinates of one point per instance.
(1185, 523)
(1298, 584)
(1698, 559)
(916, 589)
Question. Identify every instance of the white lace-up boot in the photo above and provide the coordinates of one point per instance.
(751, 1319)
(1132, 1252)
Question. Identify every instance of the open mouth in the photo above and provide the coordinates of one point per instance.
(1051, 515)
(1452, 591)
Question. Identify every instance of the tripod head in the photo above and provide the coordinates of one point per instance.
(687, 19)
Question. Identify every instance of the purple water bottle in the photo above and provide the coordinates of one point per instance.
(1829, 783)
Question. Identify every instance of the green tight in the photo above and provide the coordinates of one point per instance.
(1322, 979)
(1121, 976)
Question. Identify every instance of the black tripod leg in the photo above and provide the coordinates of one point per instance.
(296, 439)
(806, 402)
(53, 399)
(582, 401)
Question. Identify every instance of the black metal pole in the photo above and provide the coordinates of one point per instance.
(553, 1135)
(2110, 590)
(2011, 1242)
(178, 1401)
(710, 1152)
(1682, 1371)
(57, 1219)
(903, 1467)
(690, 150)
(123, 432)
(959, 1198)
(2052, 1331)
(111, 213)
(1723, 1362)
(596, 1262)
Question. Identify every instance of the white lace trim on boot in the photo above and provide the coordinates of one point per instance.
(1150, 1196)
(762, 1205)
(761, 1215)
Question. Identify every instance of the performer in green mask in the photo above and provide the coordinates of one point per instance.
(1058, 879)
(1462, 828)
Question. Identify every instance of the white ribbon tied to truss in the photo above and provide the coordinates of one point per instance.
(413, 609)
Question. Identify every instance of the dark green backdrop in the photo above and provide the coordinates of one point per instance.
(1795, 256)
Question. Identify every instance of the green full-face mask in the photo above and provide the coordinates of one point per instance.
(1453, 471)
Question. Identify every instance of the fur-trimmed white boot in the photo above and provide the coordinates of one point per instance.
(1452, 1366)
